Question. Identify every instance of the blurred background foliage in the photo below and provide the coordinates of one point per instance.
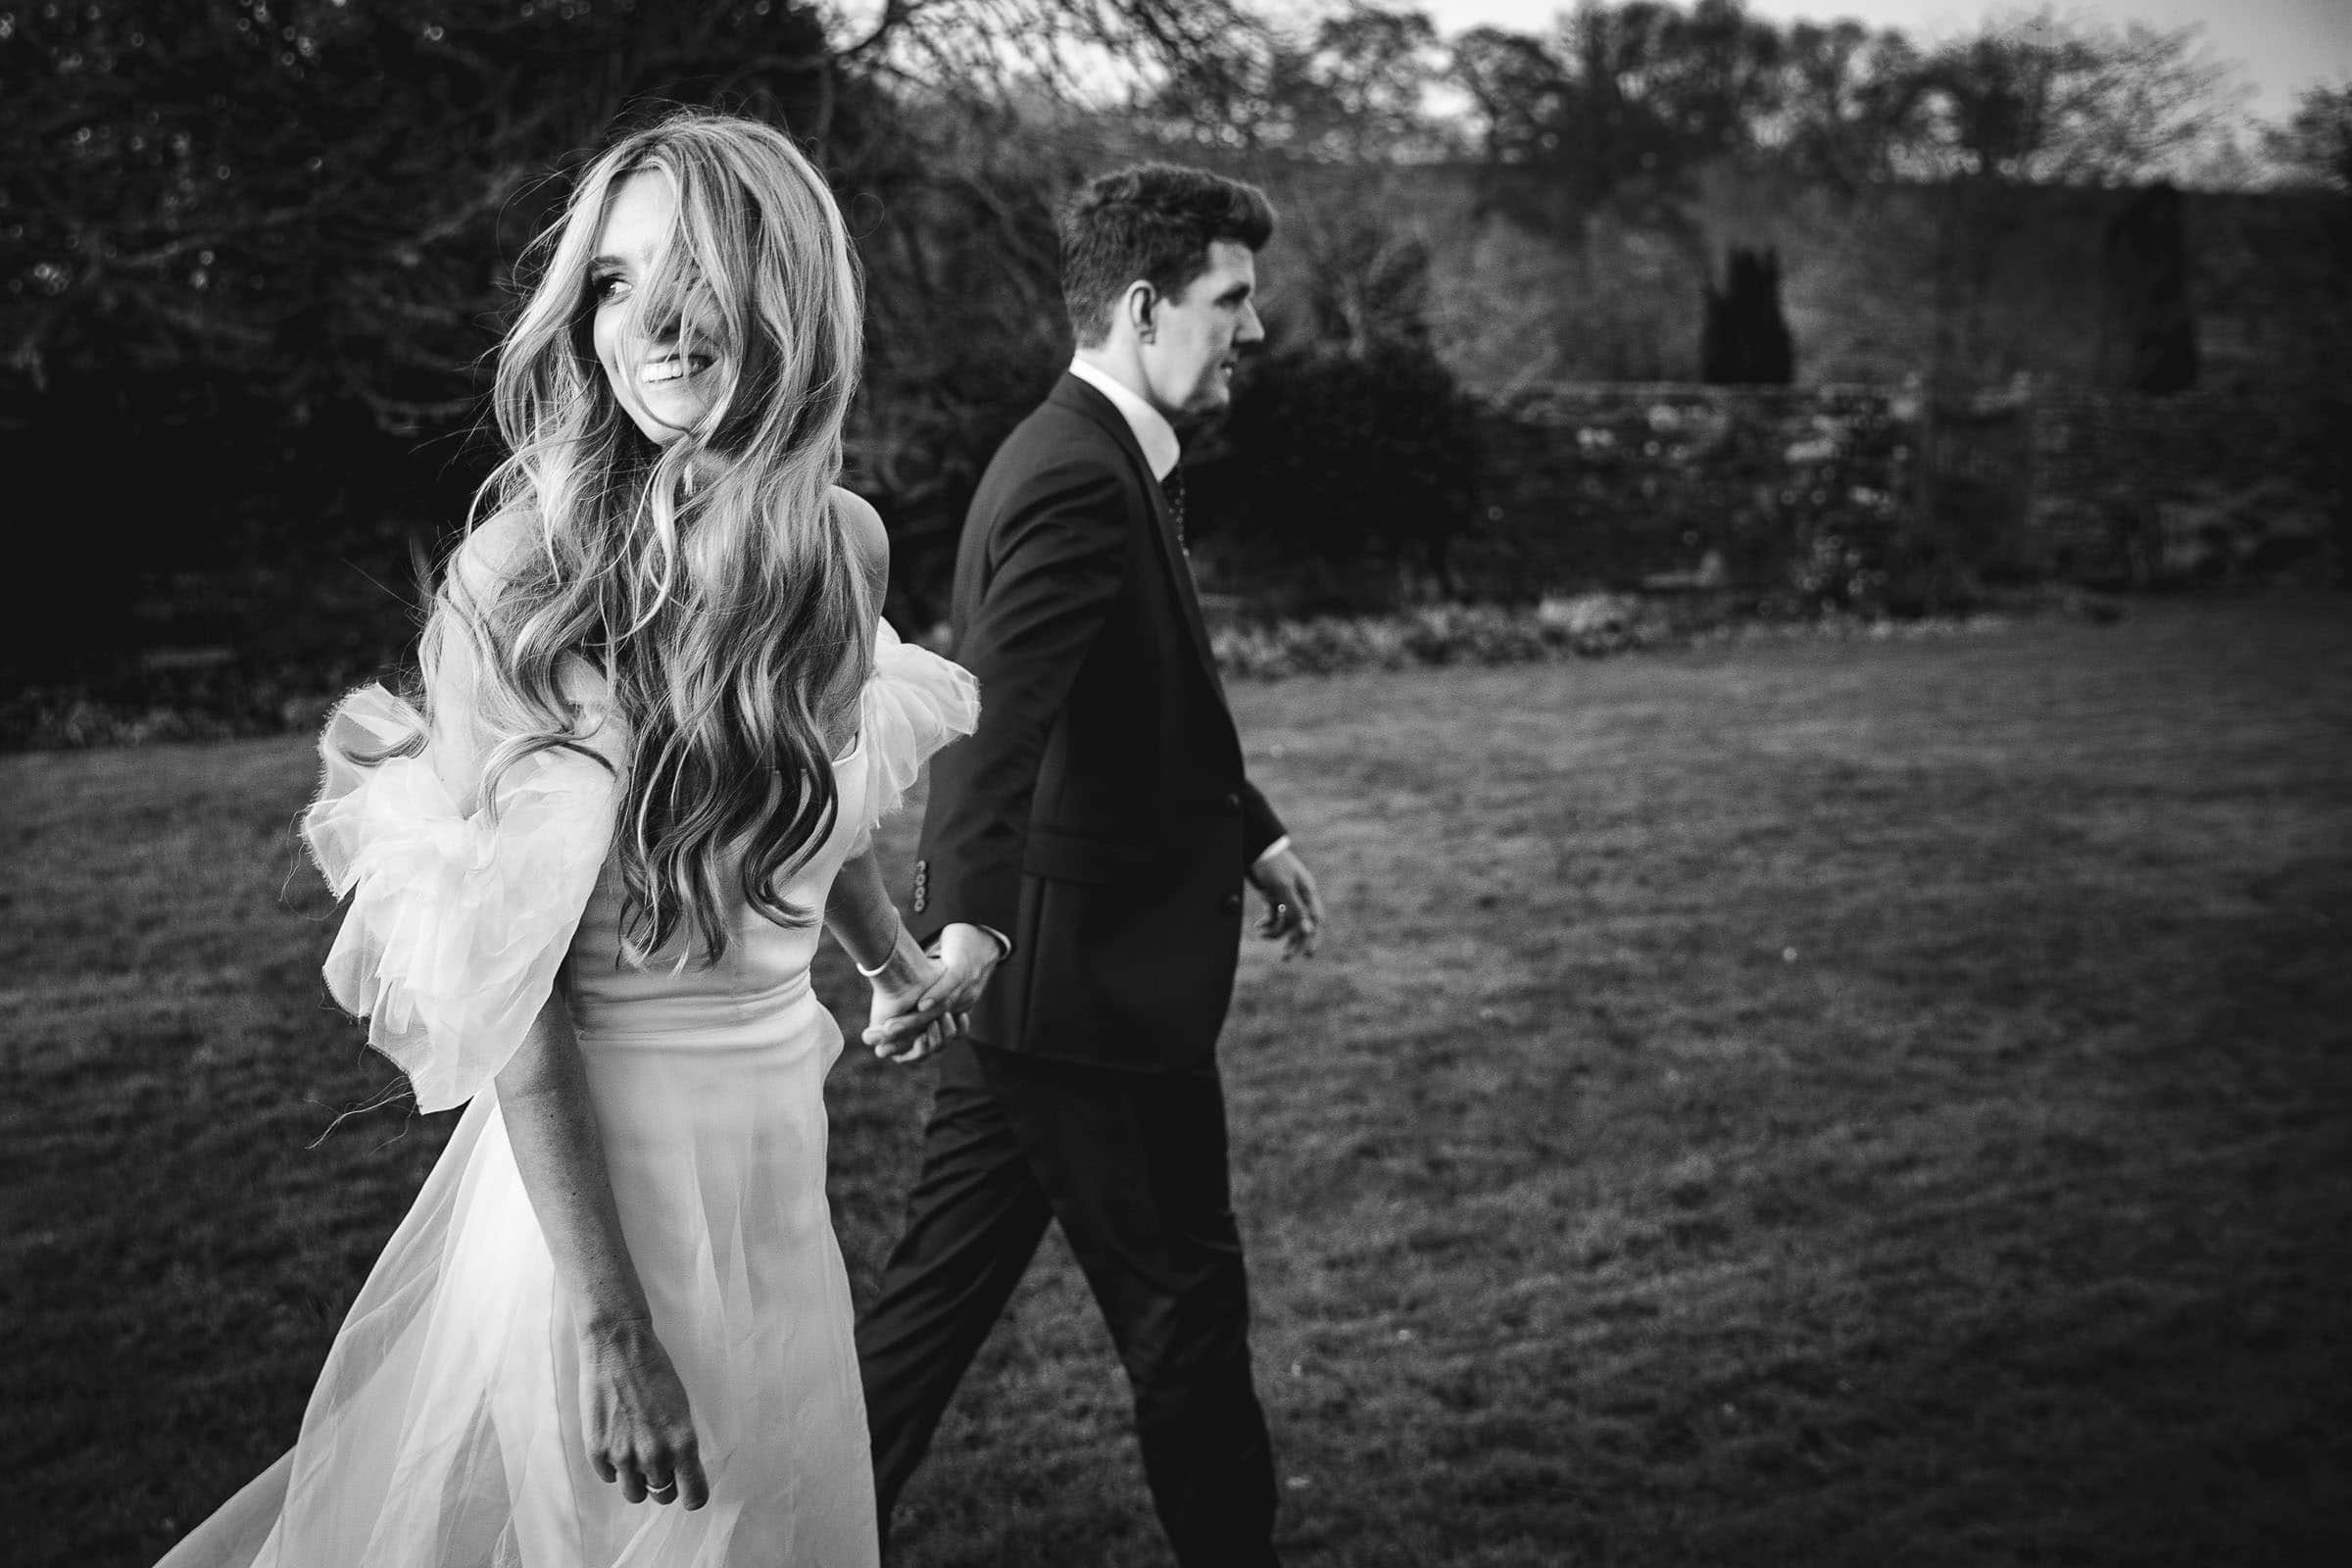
(258, 254)
(254, 254)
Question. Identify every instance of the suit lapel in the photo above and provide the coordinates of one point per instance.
(1076, 396)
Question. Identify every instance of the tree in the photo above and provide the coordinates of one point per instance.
(1849, 101)
(1716, 78)
(1518, 89)
(2040, 99)
(321, 197)
(1364, 274)
(267, 244)
(327, 193)
(1641, 92)
(2314, 149)
(1624, 104)
(1345, 474)
(2152, 329)
(1348, 90)
(1354, 91)
(2314, 146)
(1746, 339)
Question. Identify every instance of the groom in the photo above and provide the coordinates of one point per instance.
(1093, 837)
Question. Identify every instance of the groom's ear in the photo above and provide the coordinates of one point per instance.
(1140, 305)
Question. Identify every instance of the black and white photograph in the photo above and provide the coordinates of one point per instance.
(1176, 783)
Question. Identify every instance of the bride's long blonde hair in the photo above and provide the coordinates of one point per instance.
(707, 578)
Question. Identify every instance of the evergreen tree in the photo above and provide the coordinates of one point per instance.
(1745, 340)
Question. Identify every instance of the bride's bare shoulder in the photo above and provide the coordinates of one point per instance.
(863, 525)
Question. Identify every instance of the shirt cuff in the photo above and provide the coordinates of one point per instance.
(1270, 851)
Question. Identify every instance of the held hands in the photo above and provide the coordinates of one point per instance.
(639, 1429)
(919, 1003)
(1294, 907)
(898, 1026)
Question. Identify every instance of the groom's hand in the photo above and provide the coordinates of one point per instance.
(965, 957)
(1294, 907)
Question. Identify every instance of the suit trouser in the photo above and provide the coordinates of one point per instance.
(1133, 1166)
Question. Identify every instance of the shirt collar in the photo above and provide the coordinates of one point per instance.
(1153, 431)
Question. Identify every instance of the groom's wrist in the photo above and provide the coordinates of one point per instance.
(994, 944)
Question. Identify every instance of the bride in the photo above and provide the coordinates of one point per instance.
(660, 719)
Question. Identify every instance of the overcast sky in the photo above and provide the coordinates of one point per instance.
(2280, 46)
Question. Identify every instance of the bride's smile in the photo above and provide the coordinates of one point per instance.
(659, 370)
(674, 368)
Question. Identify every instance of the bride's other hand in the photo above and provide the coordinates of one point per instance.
(639, 1425)
(635, 1423)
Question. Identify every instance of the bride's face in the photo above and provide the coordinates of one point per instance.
(663, 377)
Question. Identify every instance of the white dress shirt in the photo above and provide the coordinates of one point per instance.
(1153, 431)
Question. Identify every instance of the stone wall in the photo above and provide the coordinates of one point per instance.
(1680, 486)
(1827, 496)
(2197, 487)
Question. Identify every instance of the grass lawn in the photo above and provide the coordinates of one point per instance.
(1819, 1103)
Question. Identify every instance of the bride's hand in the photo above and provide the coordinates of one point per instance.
(639, 1429)
(899, 1027)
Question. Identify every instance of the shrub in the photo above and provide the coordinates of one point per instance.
(1588, 625)
(1342, 478)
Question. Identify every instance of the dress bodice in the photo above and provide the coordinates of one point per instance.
(463, 911)
(756, 991)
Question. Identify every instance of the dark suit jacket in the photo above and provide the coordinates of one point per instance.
(1099, 816)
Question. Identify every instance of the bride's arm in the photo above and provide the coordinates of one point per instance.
(862, 919)
(920, 1002)
(639, 1429)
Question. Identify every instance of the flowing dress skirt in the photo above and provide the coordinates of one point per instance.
(445, 1430)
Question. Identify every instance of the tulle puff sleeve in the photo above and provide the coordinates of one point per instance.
(914, 703)
(459, 920)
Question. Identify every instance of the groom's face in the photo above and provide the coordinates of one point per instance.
(1196, 333)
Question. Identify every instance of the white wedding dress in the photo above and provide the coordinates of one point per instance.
(445, 1430)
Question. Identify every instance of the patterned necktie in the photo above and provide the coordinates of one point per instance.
(1173, 488)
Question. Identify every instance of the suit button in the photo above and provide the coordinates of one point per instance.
(1233, 802)
(1231, 903)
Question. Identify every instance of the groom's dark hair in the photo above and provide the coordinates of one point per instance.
(1154, 222)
